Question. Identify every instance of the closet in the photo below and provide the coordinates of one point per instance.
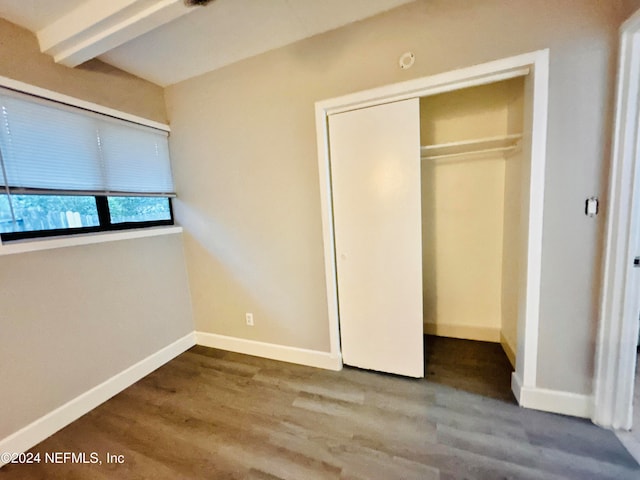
(429, 222)
(471, 173)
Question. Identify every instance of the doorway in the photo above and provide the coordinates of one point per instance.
(616, 347)
(535, 67)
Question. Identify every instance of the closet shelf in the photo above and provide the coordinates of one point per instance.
(503, 143)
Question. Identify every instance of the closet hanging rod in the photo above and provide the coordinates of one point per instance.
(512, 139)
(468, 152)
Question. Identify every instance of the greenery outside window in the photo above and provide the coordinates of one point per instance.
(51, 215)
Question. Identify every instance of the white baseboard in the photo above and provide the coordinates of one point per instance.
(47, 425)
(467, 332)
(508, 350)
(555, 401)
(516, 386)
(312, 358)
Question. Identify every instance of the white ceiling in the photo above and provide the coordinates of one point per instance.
(36, 14)
(171, 45)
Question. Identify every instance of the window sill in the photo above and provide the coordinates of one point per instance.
(32, 245)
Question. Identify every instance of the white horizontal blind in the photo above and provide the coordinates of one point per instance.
(45, 147)
(48, 146)
(136, 158)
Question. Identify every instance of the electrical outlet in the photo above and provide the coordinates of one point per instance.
(249, 317)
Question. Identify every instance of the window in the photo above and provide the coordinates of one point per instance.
(65, 170)
(138, 209)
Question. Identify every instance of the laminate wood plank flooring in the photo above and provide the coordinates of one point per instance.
(631, 440)
(210, 414)
(472, 366)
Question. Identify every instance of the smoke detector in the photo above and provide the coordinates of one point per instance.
(406, 60)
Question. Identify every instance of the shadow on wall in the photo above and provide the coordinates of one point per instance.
(429, 266)
(223, 250)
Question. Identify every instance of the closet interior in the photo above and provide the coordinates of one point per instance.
(472, 181)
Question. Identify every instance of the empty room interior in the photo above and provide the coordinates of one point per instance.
(294, 239)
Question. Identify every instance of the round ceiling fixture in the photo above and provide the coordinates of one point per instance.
(195, 3)
(407, 60)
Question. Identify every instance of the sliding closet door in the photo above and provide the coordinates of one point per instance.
(375, 177)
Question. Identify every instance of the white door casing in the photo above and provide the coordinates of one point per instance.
(375, 170)
(536, 64)
(620, 305)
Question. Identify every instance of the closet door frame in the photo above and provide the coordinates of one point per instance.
(536, 65)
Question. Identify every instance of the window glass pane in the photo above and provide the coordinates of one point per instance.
(47, 212)
(139, 209)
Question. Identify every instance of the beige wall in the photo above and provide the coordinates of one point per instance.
(94, 81)
(245, 161)
(630, 6)
(462, 246)
(73, 317)
(467, 114)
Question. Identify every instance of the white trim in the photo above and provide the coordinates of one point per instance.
(618, 323)
(631, 24)
(468, 332)
(32, 245)
(326, 208)
(534, 63)
(443, 82)
(529, 338)
(76, 102)
(301, 356)
(556, 401)
(516, 386)
(47, 425)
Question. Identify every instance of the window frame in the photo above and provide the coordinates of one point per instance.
(55, 238)
(104, 217)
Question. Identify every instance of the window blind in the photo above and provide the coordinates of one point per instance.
(135, 158)
(47, 147)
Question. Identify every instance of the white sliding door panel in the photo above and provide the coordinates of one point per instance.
(375, 171)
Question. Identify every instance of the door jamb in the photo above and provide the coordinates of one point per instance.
(619, 307)
(534, 63)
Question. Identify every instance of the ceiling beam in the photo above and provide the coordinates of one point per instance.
(97, 26)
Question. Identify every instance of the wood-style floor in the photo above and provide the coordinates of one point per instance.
(475, 367)
(631, 440)
(210, 414)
